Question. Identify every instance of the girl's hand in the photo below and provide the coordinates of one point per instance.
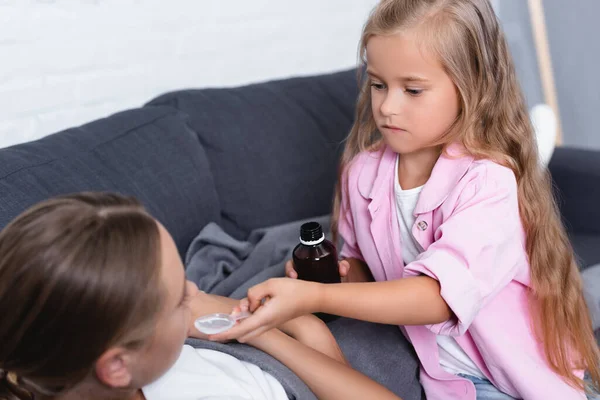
(344, 268)
(308, 330)
(273, 303)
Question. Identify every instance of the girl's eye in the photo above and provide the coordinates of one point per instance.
(378, 86)
(414, 92)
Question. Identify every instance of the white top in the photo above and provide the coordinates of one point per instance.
(452, 358)
(211, 375)
(406, 201)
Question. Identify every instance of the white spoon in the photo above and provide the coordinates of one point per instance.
(212, 324)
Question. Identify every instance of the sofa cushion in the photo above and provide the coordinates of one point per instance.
(587, 249)
(576, 177)
(273, 147)
(149, 153)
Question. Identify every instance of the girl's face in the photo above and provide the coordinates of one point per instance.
(414, 101)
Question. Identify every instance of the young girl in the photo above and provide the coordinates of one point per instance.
(443, 202)
(95, 305)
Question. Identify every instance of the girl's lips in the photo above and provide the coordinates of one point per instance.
(393, 128)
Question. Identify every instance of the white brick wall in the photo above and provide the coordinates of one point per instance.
(67, 62)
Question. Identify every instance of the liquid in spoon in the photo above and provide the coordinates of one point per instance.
(217, 323)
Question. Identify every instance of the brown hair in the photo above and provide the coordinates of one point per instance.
(493, 124)
(78, 274)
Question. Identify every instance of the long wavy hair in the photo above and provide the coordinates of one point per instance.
(492, 124)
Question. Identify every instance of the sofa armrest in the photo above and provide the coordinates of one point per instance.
(576, 176)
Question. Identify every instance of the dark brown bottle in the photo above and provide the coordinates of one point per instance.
(315, 258)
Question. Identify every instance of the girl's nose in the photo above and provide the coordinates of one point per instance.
(391, 104)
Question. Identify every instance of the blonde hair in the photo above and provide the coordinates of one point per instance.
(492, 124)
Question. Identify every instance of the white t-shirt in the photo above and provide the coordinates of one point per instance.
(211, 375)
(452, 358)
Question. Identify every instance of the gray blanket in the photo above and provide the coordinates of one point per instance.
(222, 265)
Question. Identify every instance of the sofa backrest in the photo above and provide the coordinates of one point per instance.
(273, 147)
(149, 153)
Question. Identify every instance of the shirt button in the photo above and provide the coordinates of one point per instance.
(422, 225)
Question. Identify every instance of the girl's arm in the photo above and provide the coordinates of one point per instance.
(408, 301)
(478, 251)
(327, 378)
(307, 329)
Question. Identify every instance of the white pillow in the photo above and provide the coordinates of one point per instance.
(545, 126)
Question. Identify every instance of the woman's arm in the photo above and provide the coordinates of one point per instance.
(310, 351)
(307, 329)
(312, 332)
(327, 378)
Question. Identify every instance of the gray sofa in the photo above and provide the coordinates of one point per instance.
(244, 158)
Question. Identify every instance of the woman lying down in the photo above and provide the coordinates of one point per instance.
(95, 305)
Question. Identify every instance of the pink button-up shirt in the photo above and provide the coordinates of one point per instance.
(467, 222)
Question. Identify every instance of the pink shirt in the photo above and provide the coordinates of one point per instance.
(467, 221)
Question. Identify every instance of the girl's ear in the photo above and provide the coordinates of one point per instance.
(113, 368)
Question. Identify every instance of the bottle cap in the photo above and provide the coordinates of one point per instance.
(311, 233)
